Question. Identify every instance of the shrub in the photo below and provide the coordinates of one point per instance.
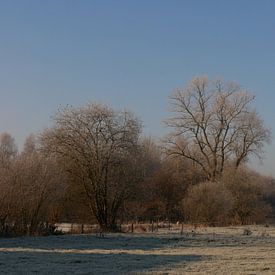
(238, 198)
(247, 190)
(208, 202)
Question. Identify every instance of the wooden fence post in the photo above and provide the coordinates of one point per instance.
(181, 231)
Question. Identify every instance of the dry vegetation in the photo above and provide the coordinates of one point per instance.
(94, 166)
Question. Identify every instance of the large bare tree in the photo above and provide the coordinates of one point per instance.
(98, 147)
(214, 125)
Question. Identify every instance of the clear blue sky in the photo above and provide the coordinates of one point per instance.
(130, 54)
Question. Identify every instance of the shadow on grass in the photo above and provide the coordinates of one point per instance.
(111, 241)
(77, 263)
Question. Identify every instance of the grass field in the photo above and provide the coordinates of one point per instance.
(225, 250)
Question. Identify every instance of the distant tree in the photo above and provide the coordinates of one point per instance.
(30, 144)
(8, 148)
(38, 184)
(142, 196)
(8, 151)
(168, 189)
(214, 125)
(30, 186)
(164, 184)
(98, 147)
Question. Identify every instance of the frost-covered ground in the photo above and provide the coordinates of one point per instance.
(207, 250)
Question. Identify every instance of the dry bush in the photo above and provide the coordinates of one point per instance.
(247, 232)
(247, 189)
(269, 197)
(237, 198)
(209, 203)
(140, 228)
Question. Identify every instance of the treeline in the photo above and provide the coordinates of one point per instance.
(31, 186)
(95, 166)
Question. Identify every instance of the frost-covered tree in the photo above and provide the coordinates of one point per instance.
(98, 147)
(214, 125)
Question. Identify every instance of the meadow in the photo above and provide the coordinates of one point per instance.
(201, 250)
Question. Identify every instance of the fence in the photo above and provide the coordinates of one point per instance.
(131, 227)
(76, 228)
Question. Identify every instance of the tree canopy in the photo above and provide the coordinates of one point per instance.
(215, 125)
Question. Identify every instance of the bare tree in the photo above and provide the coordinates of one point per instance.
(30, 144)
(6, 197)
(215, 125)
(30, 186)
(39, 184)
(98, 147)
(8, 149)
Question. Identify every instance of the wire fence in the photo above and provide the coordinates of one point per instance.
(76, 228)
(132, 227)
